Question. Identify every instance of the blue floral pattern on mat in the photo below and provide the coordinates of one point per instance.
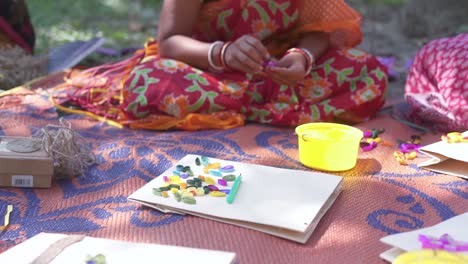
(127, 159)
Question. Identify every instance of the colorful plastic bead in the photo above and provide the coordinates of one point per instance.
(213, 188)
(165, 179)
(174, 190)
(363, 144)
(165, 188)
(201, 177)
(179, 168)
(164, 194)
(402, 161)
(214, 166)
(226, 191)
(455, 137)
(369, 147)
(186, 193)
(206, 189)
(189, 200)
(386, 143)
(205, 161)
(200, 192)
(191, 182)
(184, 175)
(174, 178)
(269, 63)
(222, 182)
(173, 185)
(197, 182)
(229, 177)
(412, 155)
(177, 197)
(216, 173)
(217, 194)
(191, 188)
(209, 180)
(227, 169)
(197, 161)
(157, 191)
(183, 186)
(367, 134)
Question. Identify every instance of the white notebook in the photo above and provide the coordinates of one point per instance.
(115, 252)
(281, 202)
(456, 227)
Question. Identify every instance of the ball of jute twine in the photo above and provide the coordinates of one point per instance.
(71, 154)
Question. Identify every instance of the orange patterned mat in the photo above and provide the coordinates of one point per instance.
(379, 196)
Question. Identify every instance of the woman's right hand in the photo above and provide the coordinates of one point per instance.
(246, 54)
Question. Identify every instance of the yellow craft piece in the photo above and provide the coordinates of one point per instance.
(428, 256)
(454, 137)
(7, 216)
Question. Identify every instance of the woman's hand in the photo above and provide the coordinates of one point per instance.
(289, 70)
(246, 54)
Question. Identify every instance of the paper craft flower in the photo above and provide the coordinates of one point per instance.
(445, 242)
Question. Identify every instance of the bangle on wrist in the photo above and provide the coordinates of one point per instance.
(222, 55)
(210, 57)
(308, 57)
(311, 61)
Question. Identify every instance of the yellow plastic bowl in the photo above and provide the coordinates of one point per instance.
(328, 146)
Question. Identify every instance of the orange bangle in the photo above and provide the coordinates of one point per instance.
(222, 55)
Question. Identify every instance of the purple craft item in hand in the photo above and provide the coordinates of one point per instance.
(270, 63)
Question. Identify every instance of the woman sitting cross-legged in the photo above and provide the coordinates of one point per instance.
(219, 63)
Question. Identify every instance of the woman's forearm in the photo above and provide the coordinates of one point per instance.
(186, 49)
(316, 43)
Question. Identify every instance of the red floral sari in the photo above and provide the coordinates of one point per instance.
(347, 85)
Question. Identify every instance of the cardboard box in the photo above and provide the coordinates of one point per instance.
(24, 166)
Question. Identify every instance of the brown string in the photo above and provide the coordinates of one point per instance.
(71, 154)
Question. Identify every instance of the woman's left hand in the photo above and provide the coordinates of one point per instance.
(289, 70)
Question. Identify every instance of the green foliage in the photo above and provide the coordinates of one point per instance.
(58, 22)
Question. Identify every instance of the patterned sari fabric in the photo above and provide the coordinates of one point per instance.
(15, 25)
(437, 85)
(347, 85)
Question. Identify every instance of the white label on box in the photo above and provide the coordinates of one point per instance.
(22, 181)
(3, 147)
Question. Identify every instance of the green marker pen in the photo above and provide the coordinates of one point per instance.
(235, 186)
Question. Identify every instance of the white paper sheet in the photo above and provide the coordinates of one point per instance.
(456, 227)
(447, 158)
(272, 197)
(116, 252)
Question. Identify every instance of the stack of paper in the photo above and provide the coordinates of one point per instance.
(448, 158)
(455, 227)
(61, 248)
(281, 202)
